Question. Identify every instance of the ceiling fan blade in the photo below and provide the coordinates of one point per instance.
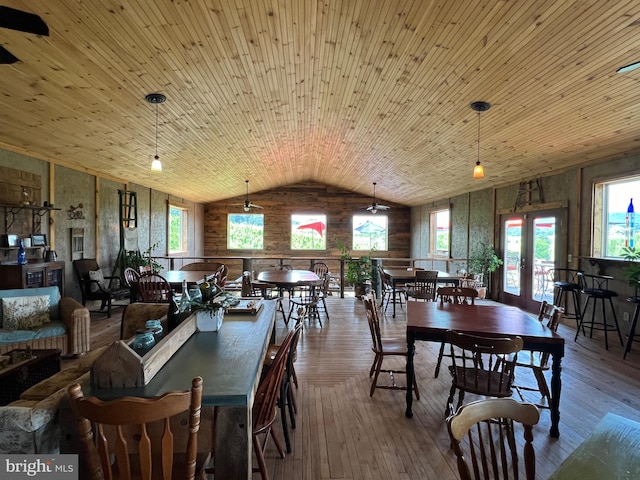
(6, 57)
(22, 21)
(253, 205)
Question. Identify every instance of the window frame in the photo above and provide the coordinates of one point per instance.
(184, 227)
(371, 247)
(312, 217)
(433, 232)
(229, 246)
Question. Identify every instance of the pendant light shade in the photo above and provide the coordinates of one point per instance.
(478, 170)
(156, 98)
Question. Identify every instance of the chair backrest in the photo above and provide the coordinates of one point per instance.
(373, 318)
(131, 276)
(483, 365)
(594, 284)
(384, 278)
(566, 276)
(282, 267)
(552, 315)
(458, 295)
(424, 287)
(154, 288)
(82, 267)
(486, 429)
(114, 419)
(265, 403)
(320, 269)
(201, 266)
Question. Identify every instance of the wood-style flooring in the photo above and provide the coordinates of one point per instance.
(343, 433)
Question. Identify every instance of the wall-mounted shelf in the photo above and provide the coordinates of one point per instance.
(37, 212)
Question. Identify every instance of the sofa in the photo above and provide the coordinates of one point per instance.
(38, 318)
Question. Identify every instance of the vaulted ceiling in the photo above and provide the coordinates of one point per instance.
(343, 92)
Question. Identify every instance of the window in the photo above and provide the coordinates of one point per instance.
(370, 232)
(440, 232)
(245, 231)
(178, 222)
(308, 232)
(614, 227)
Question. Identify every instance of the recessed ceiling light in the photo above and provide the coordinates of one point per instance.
(628, 68)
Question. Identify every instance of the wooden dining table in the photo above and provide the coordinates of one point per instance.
(288, 279)
(175, 277)
(430, 321)
(400, 276)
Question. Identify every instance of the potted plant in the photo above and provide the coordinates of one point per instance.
(632, 268)
(143, 261)
(484, 261)
(210, 308)
(359, 271)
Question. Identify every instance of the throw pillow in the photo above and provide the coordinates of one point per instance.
(97, 279)
(24, 313)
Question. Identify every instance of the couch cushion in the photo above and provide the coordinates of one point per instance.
(51, 329)
(25, 313)
(54, 299)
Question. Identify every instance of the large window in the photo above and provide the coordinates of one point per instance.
(440, 232)
(245, 231)
(178, 223)
(614, 226)
(308, 232)
(370, 232)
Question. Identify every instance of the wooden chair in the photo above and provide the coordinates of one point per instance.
(153, 288)
(320, 269)
(131, 277)
(201, 266)
(481, 365)
(94, 285)
(487, 429)
(538, 362)
(266, 403)
(424, 286)
(287, 399)
(323, 293)
(122, 423)
(457, 295)
(383, 347)
(388, 292)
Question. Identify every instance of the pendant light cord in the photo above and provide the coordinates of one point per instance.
(156, 157)
(478, 137)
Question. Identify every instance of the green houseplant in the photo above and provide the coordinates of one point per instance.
(359, 271)
(485, 261)
(135, 259)
(632, 268)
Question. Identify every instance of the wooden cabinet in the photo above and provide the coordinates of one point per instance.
(32, 275)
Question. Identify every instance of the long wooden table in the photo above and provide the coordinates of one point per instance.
(430, 321)
(404, 275)
(229, 362)
(612, 450)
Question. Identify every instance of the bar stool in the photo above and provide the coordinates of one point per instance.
(634, 322)
(596, 288)
(567, 283)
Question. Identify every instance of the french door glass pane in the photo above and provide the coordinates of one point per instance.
(513, 243)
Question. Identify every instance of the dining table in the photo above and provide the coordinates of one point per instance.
(230, 363)
(176, 277)
(611, 450)
(290, 279)
(400, 276)
(430, 321)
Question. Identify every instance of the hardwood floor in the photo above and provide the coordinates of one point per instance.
(343, 433)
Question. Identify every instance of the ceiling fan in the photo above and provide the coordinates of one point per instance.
(247, 205)
(23, 22)
(374, 207)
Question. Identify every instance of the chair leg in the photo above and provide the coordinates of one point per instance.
(439, 362)
(449, 408)
(615, 321)
(283, 414)
(373, 365)
(262, 465)
(276, 440)
(542, 384)
(374, 382)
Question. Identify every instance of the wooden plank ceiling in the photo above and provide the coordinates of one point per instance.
(343, 92)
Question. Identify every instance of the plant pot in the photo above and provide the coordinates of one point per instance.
(207, 321)
(361, 289)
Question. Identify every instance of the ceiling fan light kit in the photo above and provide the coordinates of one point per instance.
(479, 106)
(247, 204)
(375, 206)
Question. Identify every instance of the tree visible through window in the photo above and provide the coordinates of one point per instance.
(440, 232)
(245, 231)
(614, 227)
(178, 222)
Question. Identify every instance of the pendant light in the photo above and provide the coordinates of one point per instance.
(156, 98)
(478, 171)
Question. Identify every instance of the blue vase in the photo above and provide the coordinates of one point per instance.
(22, 256)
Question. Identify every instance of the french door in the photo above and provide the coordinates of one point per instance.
(531, 245)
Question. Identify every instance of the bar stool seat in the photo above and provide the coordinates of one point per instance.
(596, 288)
(634, 322)
(567, 283)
